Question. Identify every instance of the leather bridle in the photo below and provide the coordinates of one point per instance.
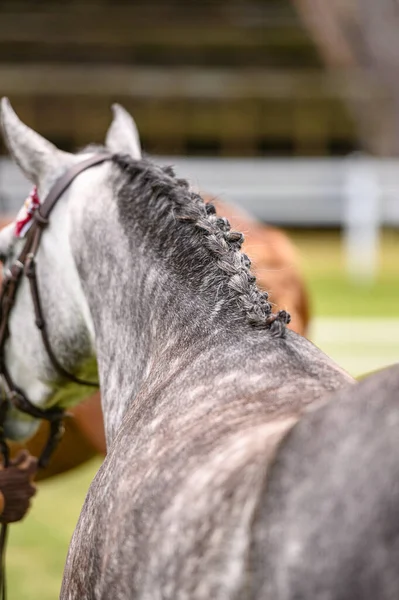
(25, 264)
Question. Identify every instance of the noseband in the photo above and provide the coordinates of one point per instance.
(25, 264)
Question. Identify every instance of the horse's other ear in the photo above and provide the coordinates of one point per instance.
(36, 156)
(122, 135)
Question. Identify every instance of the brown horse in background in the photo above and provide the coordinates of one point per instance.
(275, 263)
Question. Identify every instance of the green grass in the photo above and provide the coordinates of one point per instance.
(335, 296)
(331, 290)
(39, 545)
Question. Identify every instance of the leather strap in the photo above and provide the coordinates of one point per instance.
(3, 544)
(30, 272)
(26, 264)
(65, 181)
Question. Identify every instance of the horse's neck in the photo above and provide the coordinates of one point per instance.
(142, 323)
(151, 336)
(151, 318)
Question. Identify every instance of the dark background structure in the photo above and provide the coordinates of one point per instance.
(221, 77)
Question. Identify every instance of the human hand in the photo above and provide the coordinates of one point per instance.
(17, 487)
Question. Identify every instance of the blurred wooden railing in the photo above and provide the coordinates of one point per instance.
(227, 77)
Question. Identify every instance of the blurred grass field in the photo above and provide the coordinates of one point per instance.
(332, 293)
(356, 324)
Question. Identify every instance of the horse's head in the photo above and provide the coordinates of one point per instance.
(64, 306)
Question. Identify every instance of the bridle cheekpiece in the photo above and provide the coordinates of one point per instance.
(31, 224)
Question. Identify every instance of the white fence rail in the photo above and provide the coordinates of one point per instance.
(300, 192)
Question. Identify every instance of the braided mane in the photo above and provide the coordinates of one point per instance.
(174, 197)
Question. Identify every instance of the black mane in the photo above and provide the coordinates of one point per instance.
(186, 229)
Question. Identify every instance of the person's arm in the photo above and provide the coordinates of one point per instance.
(17, 487)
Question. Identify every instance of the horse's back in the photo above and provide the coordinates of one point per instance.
(329, 523)
(177, 528)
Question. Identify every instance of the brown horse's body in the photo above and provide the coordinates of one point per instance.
(275, 264)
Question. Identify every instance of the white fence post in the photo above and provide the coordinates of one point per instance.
(361, 219)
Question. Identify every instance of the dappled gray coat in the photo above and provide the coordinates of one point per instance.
(209, 490)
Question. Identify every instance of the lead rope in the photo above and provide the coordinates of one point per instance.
(4, 527)
(3, 546)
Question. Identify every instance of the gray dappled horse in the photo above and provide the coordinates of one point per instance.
(200, 382)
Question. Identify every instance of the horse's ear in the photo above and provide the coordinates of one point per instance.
(122, 135)
(37, 157)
